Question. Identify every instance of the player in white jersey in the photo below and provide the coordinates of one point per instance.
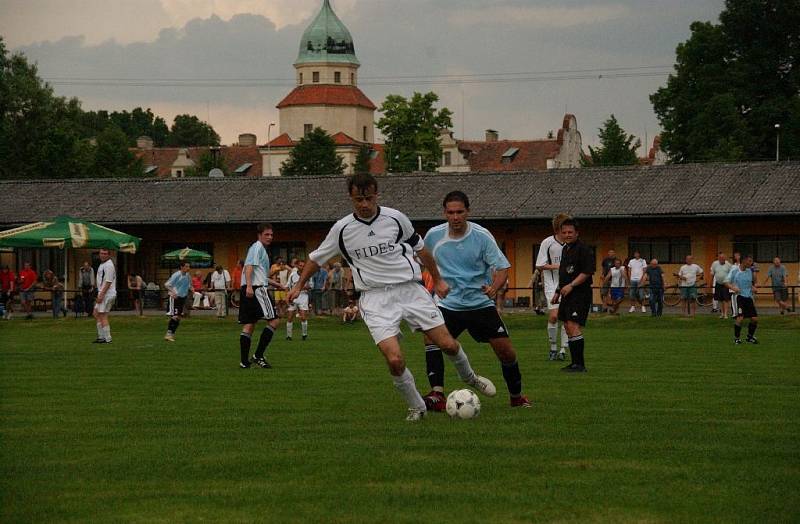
(547, 261)
(379, 244)
(255, 303)
(106, 295)
(300, 303)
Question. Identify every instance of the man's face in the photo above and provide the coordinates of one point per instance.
(26, 265)
(654, 263)
(184, 268)
(104, 255)
(721, 258)
(689, 259)
(300, 265)
(456, 214)
(637, 255)
(777, 262)
(747, 262)
(365, 204)
(568, 234)
(617, 263)
(265, 237)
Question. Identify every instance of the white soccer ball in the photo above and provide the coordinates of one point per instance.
(463, 403)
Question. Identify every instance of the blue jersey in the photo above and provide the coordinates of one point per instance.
(258, 258)
(466, 264)
(180, 282)
(743, 279)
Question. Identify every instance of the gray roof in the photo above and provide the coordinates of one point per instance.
(746, 189)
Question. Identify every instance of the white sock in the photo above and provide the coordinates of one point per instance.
(463, 368)
(100, 330)
(289, 328)
(408, 388)
(564, 338)
(552, 333)
(304, 326)
(107, 333)
(714, 304)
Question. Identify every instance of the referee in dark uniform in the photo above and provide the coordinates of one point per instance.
(574, 294)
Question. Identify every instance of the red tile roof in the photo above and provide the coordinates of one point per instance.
(330, 95)
(282, 140)
(488, 156)
(233, 156)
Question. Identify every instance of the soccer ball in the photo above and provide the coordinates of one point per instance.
(463, 403)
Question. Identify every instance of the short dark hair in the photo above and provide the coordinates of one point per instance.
(264, 226)
(362, 182)
(183, 263)
(747, 256)
(456, 196)
(569, 222)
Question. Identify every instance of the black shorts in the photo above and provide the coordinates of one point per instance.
(252, 309)
(721, 292)
(743, 306)
(575, 307)
(175, 306)
(482, 324)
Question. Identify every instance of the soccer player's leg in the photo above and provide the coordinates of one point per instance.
(291, 311)
(303, 314)
(434, 363)
(402, 378)
(552, 322)
(270, 314)
(574, 312)
(442, 338)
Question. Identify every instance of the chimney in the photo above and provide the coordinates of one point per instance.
(492, 135)
(144, 142)
(247, 140)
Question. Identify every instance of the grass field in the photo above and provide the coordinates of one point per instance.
(673, 423)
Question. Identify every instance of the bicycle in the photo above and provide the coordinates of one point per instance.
(672, 296)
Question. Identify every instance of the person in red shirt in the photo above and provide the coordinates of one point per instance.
(27, 287)
(7, 287)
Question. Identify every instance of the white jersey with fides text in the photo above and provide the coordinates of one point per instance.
(258, 258)
(107, 273)
(549, 253)
(380, 251)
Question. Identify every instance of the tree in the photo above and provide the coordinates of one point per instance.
(733, 82)
(112, 157)
(190, 131)
(616, 148)
(314, 154)
(411, 128)
(362, 160)
(206, 163)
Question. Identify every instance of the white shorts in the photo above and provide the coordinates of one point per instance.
(106, 305)
(301, 303)
(548, 294)
(383, 309)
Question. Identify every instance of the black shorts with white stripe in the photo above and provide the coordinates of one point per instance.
(743, 306)
(259, 306)
(482, 324)
(175, 306)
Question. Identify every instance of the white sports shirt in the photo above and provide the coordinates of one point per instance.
(549, 253)
(107, 273)
(258, 258)
(380, 251)
(294, 278)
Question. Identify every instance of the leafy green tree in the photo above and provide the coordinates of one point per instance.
(112, 157)
(206, 163)
(314, 154)
(616, 147)
(362, 160)
(411, 128)
(190, 131)
(733, 82)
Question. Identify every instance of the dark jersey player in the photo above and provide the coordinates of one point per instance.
(574, 294)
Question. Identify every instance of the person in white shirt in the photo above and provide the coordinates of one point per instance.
(106, 295)
(379, 244)
(615, 279)
(547, 261)
(636, 267)
(688, 277)
(300, 303)
(220, 284)
(722, 295)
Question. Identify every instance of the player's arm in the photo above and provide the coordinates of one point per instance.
(500, 277)
(310, 268)
(440, 287)
(541, 259)
(248, 280)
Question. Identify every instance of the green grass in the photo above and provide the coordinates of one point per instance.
(672, 423)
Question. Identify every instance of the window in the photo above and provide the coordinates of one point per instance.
(352, 78)
(150, 170)
(287, 251)
(668, 250)
(307, 129)
(509, 155)
(337, 77)
(244, 168)
(208, 247)
(179, 173)
(301, 78)
(315, 77)
(364, 133)
(447, 158)
(764, 248)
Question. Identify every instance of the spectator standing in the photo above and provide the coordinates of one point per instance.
(87, 285)
(236, 277)
(688, 277)
(654, 279)
(106, 295)
(197, 289)
(336, 286)
(27, 287)
(318, 298)
(720, 269)
(615, 280)
(220, 284)
(8, 285)
(279, 271)
(606, 266)
(636, 267)
(50, 283)
(777, 274)
(136, 289)
(538, 300)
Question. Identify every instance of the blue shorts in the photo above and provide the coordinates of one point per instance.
(637, 293)
(617, 293)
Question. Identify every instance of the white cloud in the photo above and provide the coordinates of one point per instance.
(538, 17)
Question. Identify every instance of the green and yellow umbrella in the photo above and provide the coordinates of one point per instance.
(187, 254)
(64, 232)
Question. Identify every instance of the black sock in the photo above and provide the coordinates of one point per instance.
(172, 325)
(176, 323)
(435, 362)
(751, 329)
(737, 330)
(244, 346)
(512, 377)
(263, 341)
(576, 350)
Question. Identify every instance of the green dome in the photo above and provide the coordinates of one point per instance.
(327, 40)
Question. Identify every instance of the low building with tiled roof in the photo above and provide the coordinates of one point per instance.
(175, 161)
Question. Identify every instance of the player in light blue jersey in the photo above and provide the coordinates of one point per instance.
(740, 282)
(178, 287)
(474, 267)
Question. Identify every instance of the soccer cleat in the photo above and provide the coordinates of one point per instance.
(552, 355)
(244, 365)
(305, 337)
(289, 338)
(415, 414)
(521, 402)
(632, 309)
(261, 362)
(643, 310)
(737, 341)
(484, 385)
(752, 340)
(435, 401)
(574, 368)
(169, 337)
(562, 355)
(99, 340)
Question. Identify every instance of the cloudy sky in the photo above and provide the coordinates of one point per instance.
(512, 65)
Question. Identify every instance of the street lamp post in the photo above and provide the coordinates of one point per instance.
(269, 155)
(777, 142)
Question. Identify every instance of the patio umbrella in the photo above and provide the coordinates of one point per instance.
(188, 254)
